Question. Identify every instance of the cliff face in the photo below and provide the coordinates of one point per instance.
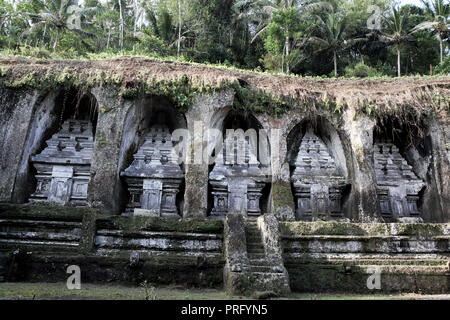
(350, 151)
(349, 115)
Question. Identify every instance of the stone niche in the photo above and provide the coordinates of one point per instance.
(236, 180)
(398, 187)
(63, 167)
(153, 179)
(318, 184)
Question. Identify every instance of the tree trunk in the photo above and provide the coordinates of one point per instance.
(286, 44)
(135, 21)
(120, 26)
(440, 46)
(55, 44)
(179, 29)
(335, 63)
(43, 35)
(109, 38)
(398, 61)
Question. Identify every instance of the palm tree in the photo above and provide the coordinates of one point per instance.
(332, 35)
(439, 23)
(261, 12)
(397, 24)
(63, 15)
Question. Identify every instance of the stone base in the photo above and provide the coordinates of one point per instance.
(321, 277)
(410, 220)
(145, 212)
(247, 283)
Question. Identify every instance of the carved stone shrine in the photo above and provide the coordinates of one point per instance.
(397, 186)
(318, 185)
(154, 177)
(63, 167)
(236, 179)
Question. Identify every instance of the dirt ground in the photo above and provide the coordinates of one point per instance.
(59, 291)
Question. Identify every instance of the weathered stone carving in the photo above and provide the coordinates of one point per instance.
(63, 167)
(154, 177)
(397, 186)
(317, 182)
(237, 179)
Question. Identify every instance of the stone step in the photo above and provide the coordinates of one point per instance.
(253, 256)
(260, 262)
(253, 251)
(253, 235)
(254, 239)
(252, 225)
(264, 269)
(255, 246)
(254, 242)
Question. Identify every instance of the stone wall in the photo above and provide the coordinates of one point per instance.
(351, 134)
(340, 257)
(348, 116)
(38, 243)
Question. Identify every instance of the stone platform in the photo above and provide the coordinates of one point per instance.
(244, 255)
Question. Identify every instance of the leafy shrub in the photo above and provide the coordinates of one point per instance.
(444, 67)
(69, 53)
(34, 52)
(150, 44)
(360, 70)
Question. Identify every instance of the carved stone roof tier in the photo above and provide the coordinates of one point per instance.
(391, 168)
(73, 144)
(239, 161)
(313, 162)
(156, 158)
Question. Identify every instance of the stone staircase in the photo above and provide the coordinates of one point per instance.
(253, 253)
(257, 261)
(267, 274)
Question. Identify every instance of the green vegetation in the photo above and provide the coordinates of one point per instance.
(308, 38)
(161, 224)
(414, 230)
(360, 70)
(51, 291)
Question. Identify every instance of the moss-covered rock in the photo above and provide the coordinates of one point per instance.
(43, 211)
(161, 224)
(413, 230)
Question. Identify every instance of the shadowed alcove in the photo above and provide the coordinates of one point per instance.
(239, 165)
(63, 124)
(403, 155)
(149, 125)
(318, 170)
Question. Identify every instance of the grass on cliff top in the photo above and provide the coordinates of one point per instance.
(10, 54)
(273, 94)
(58, 291)
(5, 54)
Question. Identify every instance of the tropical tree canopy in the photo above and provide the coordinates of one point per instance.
(304, 37)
